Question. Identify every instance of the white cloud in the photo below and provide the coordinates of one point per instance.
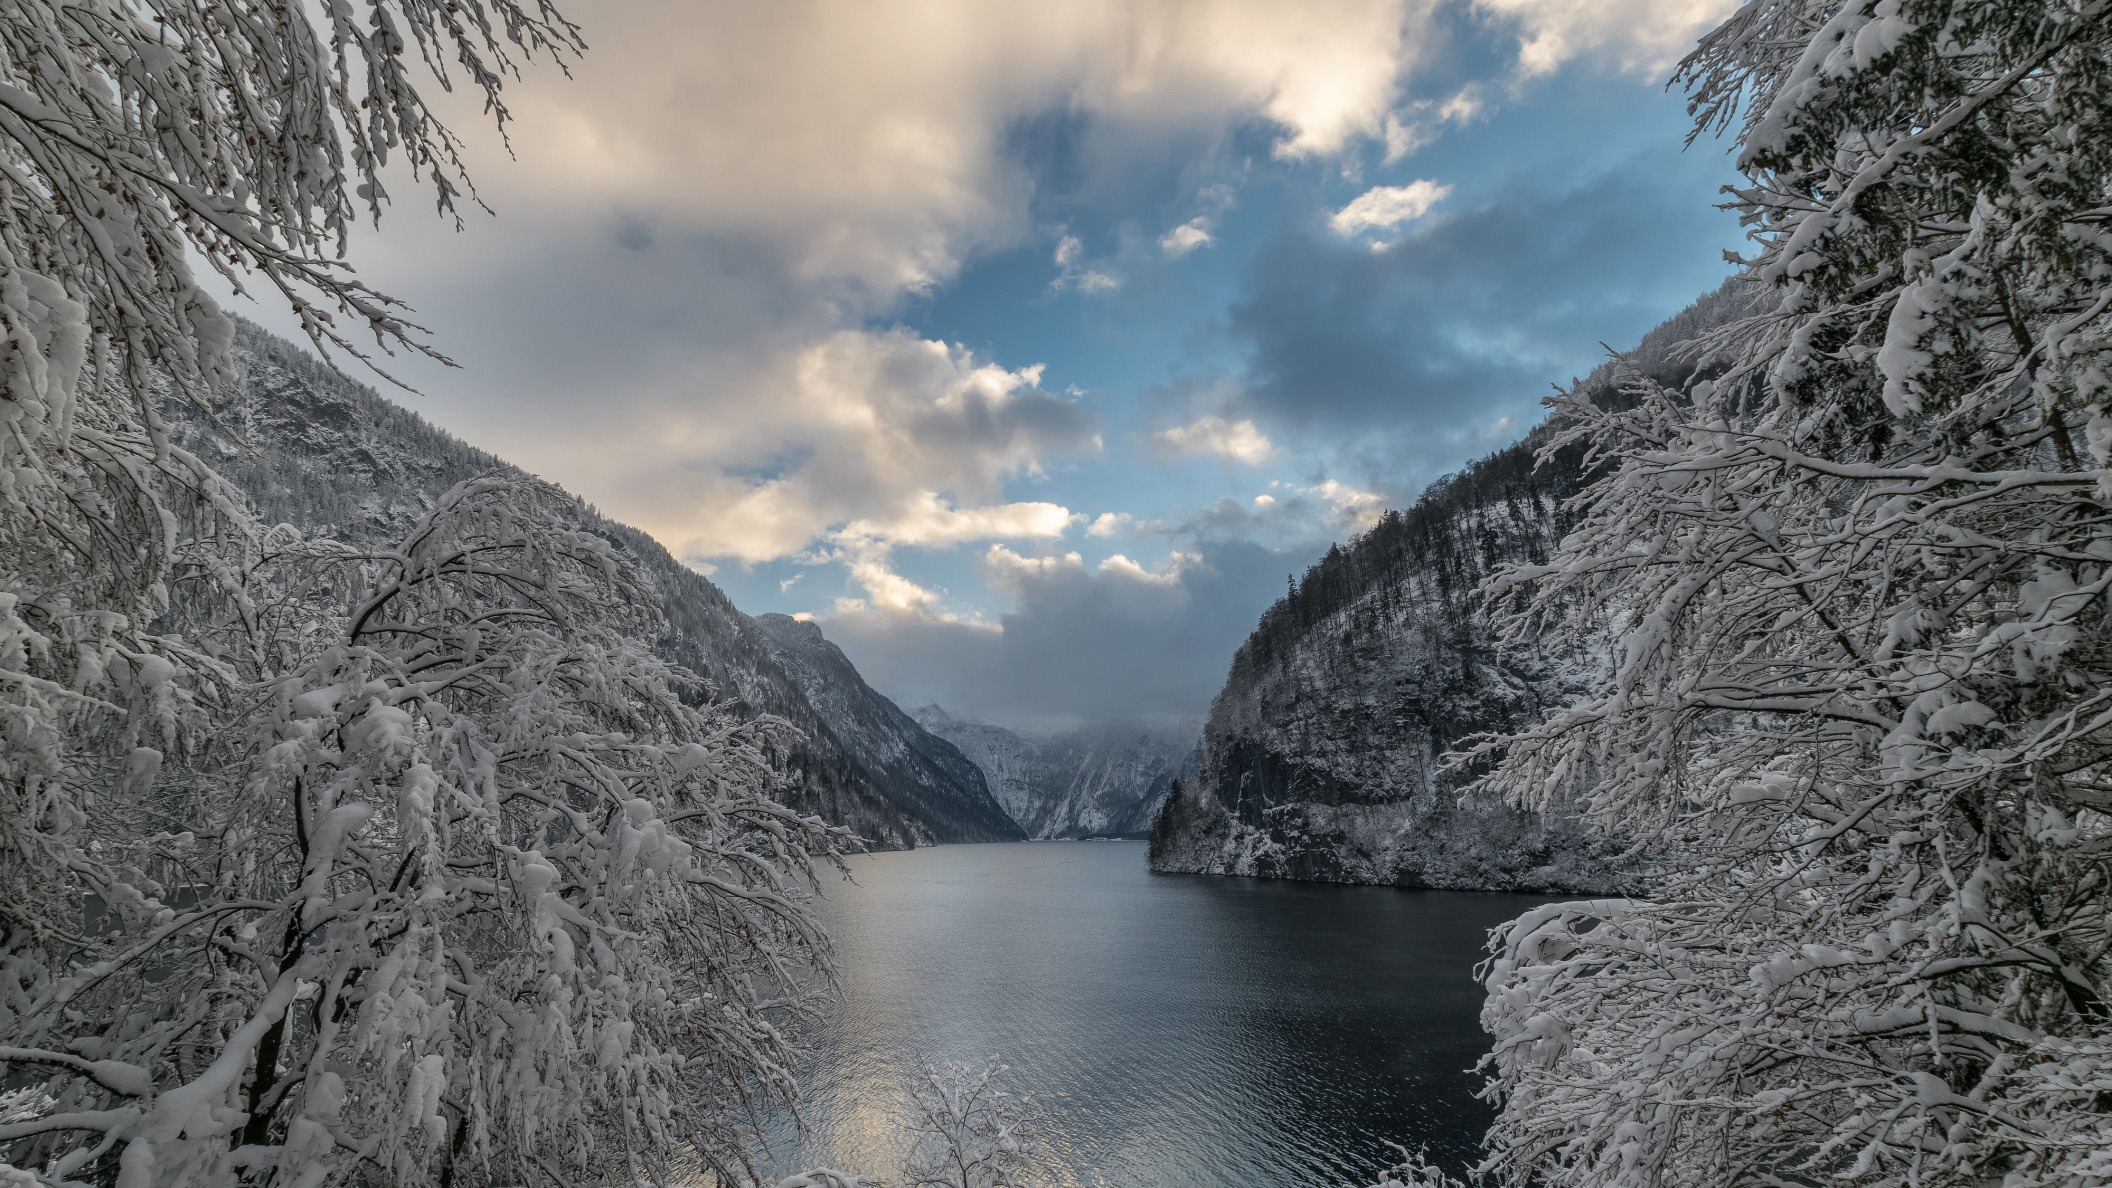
(1110, 524)
(1351, 505)
(1193, 234)
(865, 437)
(1009, 572)
(1420, 123)
(1168, 575)
(866, 548)
(1637, 36)
(1383, 208)
(1012, 573)
(1073, 276)
(923, 519)
(1285, 514)
(889, 591)
(1215, 436)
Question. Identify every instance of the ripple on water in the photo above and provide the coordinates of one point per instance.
(1175, 1030)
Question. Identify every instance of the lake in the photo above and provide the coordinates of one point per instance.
(1174, 1029)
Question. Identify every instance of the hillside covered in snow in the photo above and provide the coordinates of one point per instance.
(1321, 755)
(329, 456)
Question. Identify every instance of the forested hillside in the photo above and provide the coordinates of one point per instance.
(315, 450)
(1320, 758)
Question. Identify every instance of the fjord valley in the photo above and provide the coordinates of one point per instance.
(1024, 612)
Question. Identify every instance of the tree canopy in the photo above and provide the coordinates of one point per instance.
(1851, 586)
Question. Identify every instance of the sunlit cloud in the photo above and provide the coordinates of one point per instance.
(926, 520)
(1383, 208)
(1638, 36)
(1213, 436)
(1193, 234)
(885, 437)
(1108, 524)
(1168, 574)
(1285, 513)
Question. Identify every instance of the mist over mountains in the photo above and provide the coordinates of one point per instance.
(1104, 779)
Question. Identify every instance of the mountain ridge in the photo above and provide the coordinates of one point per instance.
(321, 452)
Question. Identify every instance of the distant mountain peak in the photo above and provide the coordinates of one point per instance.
(1099, 780)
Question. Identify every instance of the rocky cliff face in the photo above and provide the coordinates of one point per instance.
(1101, 780)
(924, 774)
(1320, 757)
(329, 456)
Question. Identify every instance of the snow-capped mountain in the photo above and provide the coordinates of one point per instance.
(318, 451)
(1105, 779)
(1320, 757)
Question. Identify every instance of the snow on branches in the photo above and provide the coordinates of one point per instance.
(136, 136)
(470, 894)
(320, 866)
(135, 139)
(1855, 578)
(971, 1132)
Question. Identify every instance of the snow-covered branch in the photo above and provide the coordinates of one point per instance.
(473, 891)
(1852, 586)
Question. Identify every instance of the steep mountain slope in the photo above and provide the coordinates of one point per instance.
(1320, 757)
(924, 774)
(1101, 780)
(327, 455)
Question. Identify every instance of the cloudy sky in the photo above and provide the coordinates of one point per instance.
(1029, 347)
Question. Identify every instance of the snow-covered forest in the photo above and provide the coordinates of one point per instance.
(410, 857)
(327, 863)
(1853, 579)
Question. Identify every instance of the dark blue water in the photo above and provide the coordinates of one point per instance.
(1175, 1029)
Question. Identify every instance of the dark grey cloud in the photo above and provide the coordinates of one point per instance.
(1471, 314)
(1083, 643)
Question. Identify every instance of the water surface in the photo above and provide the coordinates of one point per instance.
(1175, 1029)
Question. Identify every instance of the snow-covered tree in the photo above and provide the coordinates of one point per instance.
(971, 1132)
(404, 867)
(1851, 586)
(464, 891)
(138, 138)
